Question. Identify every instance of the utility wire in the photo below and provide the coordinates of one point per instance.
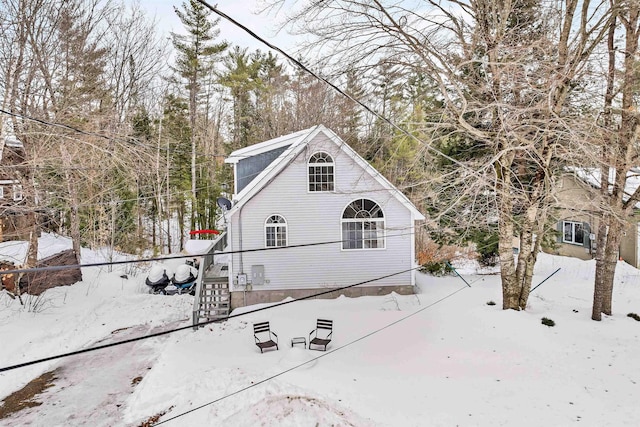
(303, 67)
(157, 334)
(60, 125)
(71, 128)
(171, 257)
(254, 384)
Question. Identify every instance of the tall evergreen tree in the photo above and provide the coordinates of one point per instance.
(241, 77)
(196, 58)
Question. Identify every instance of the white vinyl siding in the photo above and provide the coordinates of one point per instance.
(315, 217)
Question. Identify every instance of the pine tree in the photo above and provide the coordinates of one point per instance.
(196, 58)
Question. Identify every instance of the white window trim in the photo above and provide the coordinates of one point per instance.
(17, 193)
(332, 164)
(1, 191)
(276, 225)
(573, 232)
(379, 221)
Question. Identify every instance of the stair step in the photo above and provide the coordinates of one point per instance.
(214, 298)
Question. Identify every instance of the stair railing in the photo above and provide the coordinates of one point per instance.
(207, 261)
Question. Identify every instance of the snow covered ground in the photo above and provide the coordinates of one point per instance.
(443, 357)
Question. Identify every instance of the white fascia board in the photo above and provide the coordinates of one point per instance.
(263, 147)
(303, 137)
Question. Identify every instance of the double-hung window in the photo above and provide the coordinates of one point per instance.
(17, 192)
(275, 228)
(573, 232)
(363, 225)
(321, 172)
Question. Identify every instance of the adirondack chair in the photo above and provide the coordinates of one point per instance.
(264, 336)
(321, 335)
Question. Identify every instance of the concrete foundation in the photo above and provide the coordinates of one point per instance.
(243, 298)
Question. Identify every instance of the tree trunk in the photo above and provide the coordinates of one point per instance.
(510, 288)
(606, 262)
(74, 212)
(526, 262)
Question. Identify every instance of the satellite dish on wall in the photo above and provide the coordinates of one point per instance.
(224, 204)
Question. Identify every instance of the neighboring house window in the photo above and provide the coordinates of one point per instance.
(573, 232)
(17, 192)
(321, 172)
(275, 231)
(363, 225)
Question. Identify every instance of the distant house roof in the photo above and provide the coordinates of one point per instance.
(295, 143)
(12, 141)
(592, 176)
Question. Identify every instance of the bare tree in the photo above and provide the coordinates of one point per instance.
(505, 72)
(619, 150)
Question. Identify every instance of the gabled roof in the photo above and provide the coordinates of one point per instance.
(297, 142)
(592, 176)
(263, 147)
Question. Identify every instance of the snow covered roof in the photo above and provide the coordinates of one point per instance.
(592, 176)
(296, 143)
(12, 141)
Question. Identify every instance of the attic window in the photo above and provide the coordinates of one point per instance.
(363, 225)
(275, 228)
(321, 172)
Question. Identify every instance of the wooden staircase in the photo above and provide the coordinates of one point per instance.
(212, 300)
(214, 294)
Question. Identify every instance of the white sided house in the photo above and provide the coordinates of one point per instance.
(310, 215)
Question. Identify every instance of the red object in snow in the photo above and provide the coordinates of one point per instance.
(194, 232)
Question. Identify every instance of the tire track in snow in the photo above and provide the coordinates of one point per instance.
(91, 389)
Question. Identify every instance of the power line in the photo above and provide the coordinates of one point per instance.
(156, 334)
(134, 261)
(88, 133)
(256, 383)
(60, 125)
(299, 64)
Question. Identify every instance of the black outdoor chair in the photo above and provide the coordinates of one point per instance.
(321, 334)
(267, 336)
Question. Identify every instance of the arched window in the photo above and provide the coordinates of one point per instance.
(321, 172)
(275, 231)
(362, 225)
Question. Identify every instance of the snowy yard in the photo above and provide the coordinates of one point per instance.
(449, 359)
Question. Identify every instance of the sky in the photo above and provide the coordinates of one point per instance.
(441, 357)
(242, 11)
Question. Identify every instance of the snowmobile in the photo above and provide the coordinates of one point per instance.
(183, 281)
(157, 280)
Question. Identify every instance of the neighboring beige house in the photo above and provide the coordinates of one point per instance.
(577, 195)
